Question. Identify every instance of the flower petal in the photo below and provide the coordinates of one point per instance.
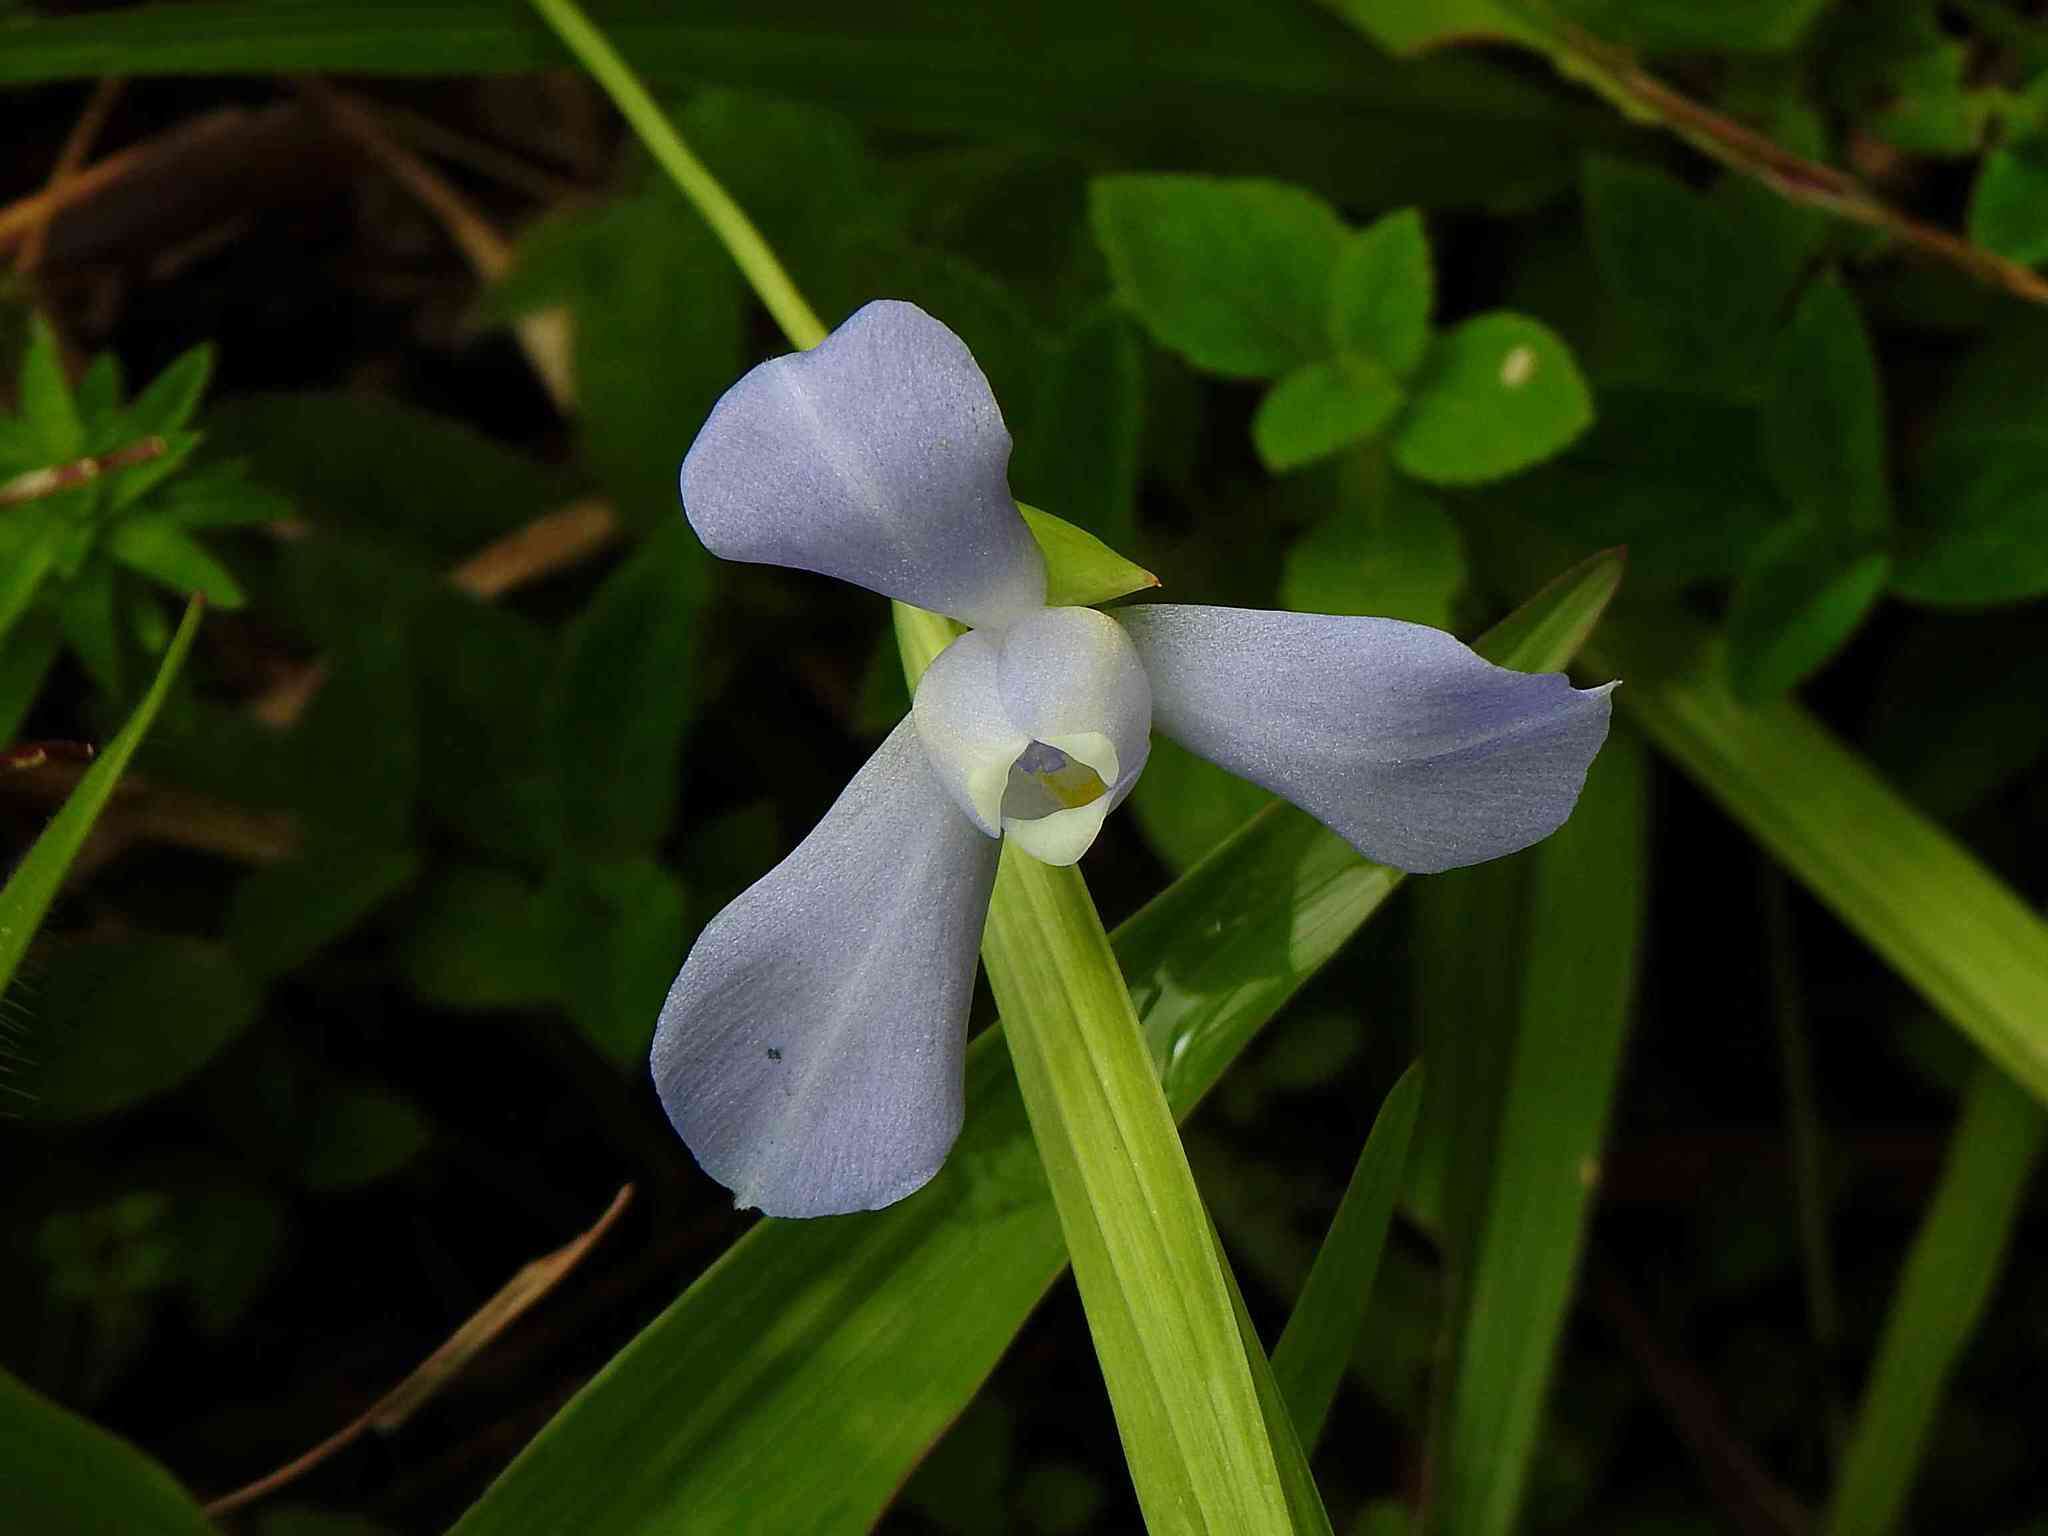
(969, 739)
(811, 1050)
(879, 456)
(1409, 745)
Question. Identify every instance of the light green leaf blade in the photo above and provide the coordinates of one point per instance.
(1081, 570)
(1585, 917)
(47, 409)
(169, 401)
(1806, 590)
(1322, 1330)
(33, 885)
(29, 557)
(1323, 406)
(2009, 203)
(1904, 885)
(1233, 274)
(1382, 292)
(68, 1477)
(694, 1420)
(1949, 1276)
(27, 653)
(1498, 394)
(164, 552)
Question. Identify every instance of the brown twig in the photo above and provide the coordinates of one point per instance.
(91, 122)
(1753, 1499)
(549, 543)
(545, 336)
(207, 132)
(486, 159)
(390, 1411)
(38, 483)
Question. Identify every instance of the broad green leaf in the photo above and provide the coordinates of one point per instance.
(1186, 805)
(419, 482)
(1416, 26)
(1497, 394)
(27, 652)
(1948, 1281)
(1233, 274)
(128, 1019)
(1083, 453)
(1274, 90)
(623, 692)
(2009, 203)
(1081, 570)
(281, 916)
(1392, 552)
(1971, 529)
(169, 401)
(1150, 1274)
(1906, 887)
(1691, 279)
(32, 886)
(355, 1134)
(68, 1477)
(218, 497)
(1805, 592)
(164, 552)
(1824, 432)
(1321, 407)
(481, 939)
(1585, 918)
(620, 930)
(47, 409)
(1322, 1330)
(854, 1337)
(1382, 292)
(1680, 26)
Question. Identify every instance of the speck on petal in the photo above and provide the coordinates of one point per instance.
(811, 1050)
(880, 457)
(1400, 738)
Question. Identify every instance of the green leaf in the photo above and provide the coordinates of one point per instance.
(1585, 920)
(1943, 1292)
(28, 551)
(1824, 433)
(1806, 591)
(1186, 805)
(281, 916)
(98, 398)
(27, 652)
(482, 939)
(1697, 284)
(166, 553)
(125, 487)
(1382, 292)
(1322, 1330)
(68, 1477)
(129, 1019)
(855, 1337)
(169, 401)
(1083, 454)
(1232, 274)
(1971, 526)
(1906, 887)
(355, 1135)
(219, 497)
(47, 409)
(1417, 26)
(88, 614)
(620, 928)
(32, 886)
(1321, 407)
(1498, 394)
(1680, 26)
(1081, 570)
(1392, 551)
(2009, 203)
(624, 691)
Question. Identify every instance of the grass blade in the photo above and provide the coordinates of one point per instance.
(1970, 946)
(33, 885)
(1321, 1332)
(68, 1477)
(860, 1338)
(1948, 1280)
(1584, 919)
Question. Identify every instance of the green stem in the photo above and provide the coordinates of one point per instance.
(727, 220)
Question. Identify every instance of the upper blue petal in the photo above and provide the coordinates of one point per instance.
(812, 1049)
(1416, 750)
(879, 456)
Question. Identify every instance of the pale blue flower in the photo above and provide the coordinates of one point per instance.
(811, 1049)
